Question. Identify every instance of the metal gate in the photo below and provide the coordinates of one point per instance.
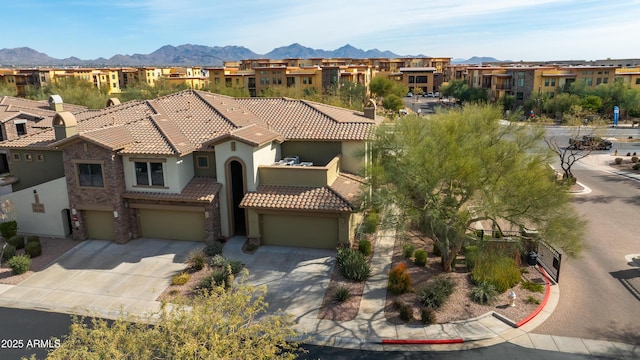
(550, 259)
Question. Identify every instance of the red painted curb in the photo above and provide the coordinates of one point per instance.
(421, 342)
(542, 304)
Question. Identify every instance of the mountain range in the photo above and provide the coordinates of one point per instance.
(200, 55)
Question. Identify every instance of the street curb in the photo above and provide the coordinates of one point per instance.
(422, 341)
(542, 304)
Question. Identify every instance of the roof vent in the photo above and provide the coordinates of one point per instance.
(55, 103)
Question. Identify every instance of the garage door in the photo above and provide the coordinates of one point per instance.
(302, 231)
(174, 225)
(99, 225)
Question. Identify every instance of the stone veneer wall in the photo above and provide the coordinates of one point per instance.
(108, 197)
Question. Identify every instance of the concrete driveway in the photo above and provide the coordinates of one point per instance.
(296, 278)
(102, 277)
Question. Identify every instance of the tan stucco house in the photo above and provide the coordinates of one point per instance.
(195, 166)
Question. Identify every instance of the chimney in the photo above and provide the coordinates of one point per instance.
(64, 125)
(55, 103)
(370, 110)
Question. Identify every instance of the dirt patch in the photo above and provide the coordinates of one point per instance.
(458, 307)
(52, 248)
(626, 165)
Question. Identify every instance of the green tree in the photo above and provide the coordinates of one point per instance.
(592, 103)
(8, 90)
(381, 87)
(459, 90)
(393, 103)
(73, 91)
(221, 324)
(561, 104)
(464, 166)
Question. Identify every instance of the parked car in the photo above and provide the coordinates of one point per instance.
(430, 94)
(590, 142)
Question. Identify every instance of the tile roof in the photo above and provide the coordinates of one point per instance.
(300, 198)
(200, 189)
(304, 120)
(187, 121)
(349, 187)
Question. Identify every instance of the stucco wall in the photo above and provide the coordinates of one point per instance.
(353, 157)
(177, 173)
(51, 222)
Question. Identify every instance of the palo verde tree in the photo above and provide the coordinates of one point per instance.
(226, 323)
(464, 166)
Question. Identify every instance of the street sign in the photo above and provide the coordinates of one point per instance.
(616, 115)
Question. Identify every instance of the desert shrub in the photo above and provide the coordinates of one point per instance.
(399, 279)
(470, 255)
(405, 310)
(196, 260)
(436, 292)
(436, 250)
(217, 277)
(628, 154)
(370, 223)
(342, 294)
(533, 287)
(532, 300)
(499, 270)
(353, 265)
(636, 167)
(219, 260)
(484, 293)
(33, 249)
(17, 241)
(407, 250)
(8, 229)
(428, 316)
(634, 159)
(524, 271)
(234, 266)
(618, 160)
(9, 252)
(364, 246)
(180, 279)
(19, 264)
(214, 248)
(33, 238)
(420, 257)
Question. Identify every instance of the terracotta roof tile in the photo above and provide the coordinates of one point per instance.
(179, 123)
(200, 189)
(349, 187)
(295, 198)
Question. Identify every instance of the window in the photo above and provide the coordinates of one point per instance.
(412, 79)
(21, 129)
(203, 162)
(521, 82)
(606, 80)
(28, 157)
(40, 157)
(551, 95)
(149, 173)
(16, 157)
(598, 81)
(546, 82)
(90, 175)
(421, 79)
(519, 95)
(553, 82)
(589, 81)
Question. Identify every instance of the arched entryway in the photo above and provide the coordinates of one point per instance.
(235, 193)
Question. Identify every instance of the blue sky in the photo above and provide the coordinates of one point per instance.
(504, 29)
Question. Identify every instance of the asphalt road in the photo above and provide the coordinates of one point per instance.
(21, 327)
(595, 302)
